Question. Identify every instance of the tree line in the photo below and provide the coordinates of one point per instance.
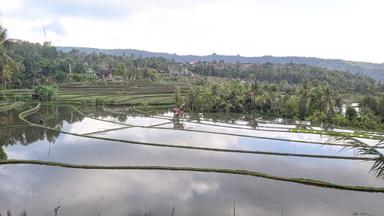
(25, 64)
(285, 90)
(308, 101)
(290, 74)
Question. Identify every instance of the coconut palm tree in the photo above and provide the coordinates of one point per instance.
(366, 150)
(7, 64)
(304, 99)
(331, 102)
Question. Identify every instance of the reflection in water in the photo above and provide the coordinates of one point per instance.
(23, 213)
(79, 150)
(122, 118)
(14, 132)
(65, 116)
(92, 192)
(253, 123)
(3, 155)
(56, 116)
(49, 191)
(177, 121)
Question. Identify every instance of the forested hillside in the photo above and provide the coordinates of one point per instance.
(44, 64)
(288, 90)
(370, 69)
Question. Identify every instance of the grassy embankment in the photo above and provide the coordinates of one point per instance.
(112, 93)
(304, 181)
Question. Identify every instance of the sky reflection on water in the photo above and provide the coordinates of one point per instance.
(39, 189)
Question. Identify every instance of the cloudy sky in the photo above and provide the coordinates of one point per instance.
(346, 29)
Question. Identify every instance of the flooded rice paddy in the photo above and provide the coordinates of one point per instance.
(48, 190)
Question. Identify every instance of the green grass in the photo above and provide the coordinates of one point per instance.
(304, 181)
(116, 93)
(120, 93)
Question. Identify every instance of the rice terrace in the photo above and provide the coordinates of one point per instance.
(88, 131)
(132, 132)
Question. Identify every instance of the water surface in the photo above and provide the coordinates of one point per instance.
(38, 190)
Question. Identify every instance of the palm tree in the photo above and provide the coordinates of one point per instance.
(304, 99)
(7, 64)
(329, 102)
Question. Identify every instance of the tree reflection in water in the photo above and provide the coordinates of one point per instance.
(57, 116)
(177, 122)
(9, 213)
(16, 131)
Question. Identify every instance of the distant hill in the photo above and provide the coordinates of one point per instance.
(369, 69)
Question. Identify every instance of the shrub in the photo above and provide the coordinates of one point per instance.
(178, 98)
(100, 101)
(340, 119)
(350, 113)
(85, 101)
(317, 117)
(144, 105)
(3, 97)
(44, 93)
(62, 77)
(18, 97)
(79, 77)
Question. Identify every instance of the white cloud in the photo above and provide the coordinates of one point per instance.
(328, 29)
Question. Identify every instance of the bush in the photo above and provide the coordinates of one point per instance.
(341, 120)
(144, 105)
(3, 97)
(62, 77)
(317, 117)
(350, 113)
(79, 77)
(85, 101)
(368, 120)
(44, 93)
(100, 101)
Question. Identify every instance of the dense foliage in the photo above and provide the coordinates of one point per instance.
(7, 65)
(284, 90)
(308, 101)
(43, 64)
(44, 93)
(369, 69)
(289, 74)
